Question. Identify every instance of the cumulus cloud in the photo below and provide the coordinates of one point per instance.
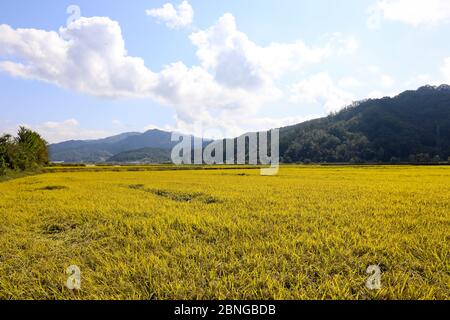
(100, 66)
(238, 61)
(412, 12)
(194, 89)
(320, 89)
(175, 18)
(88, 56)
(234, 75)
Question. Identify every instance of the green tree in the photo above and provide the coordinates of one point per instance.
(31, 149)
(28, 150)
(5, 150)
(3, 166)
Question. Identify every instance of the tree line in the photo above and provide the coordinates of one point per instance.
(27, 151)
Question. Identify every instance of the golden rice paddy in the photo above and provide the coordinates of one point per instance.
(308, 233)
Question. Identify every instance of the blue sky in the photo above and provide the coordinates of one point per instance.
(215, 68)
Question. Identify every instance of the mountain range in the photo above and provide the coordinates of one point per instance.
(102, 150)
(413, 126)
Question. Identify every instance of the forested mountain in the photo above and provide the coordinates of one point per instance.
(413, 126)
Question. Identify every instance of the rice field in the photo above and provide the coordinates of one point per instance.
(309, 233)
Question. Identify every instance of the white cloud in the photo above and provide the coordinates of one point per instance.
(100, 66)
(175, 18)
(67, 130)
(235, 75)
(412, 12)
(237, 61)
(320, 89)
(350, 82)
(75, 59)
(67, 123)
(232, 125)
(386, 81)
(428, 79)
(53, 131)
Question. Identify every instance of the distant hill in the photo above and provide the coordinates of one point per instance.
(413, 126)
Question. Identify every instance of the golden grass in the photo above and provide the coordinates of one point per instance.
(308, 233)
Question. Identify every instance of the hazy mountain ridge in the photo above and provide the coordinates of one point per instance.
(103, 149)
